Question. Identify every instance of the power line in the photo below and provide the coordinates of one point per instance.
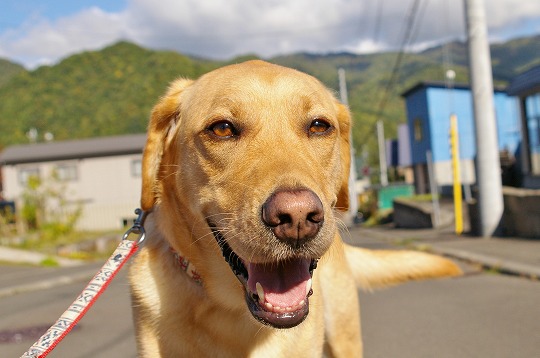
(420, 16)
(378, 17)
(407, 35)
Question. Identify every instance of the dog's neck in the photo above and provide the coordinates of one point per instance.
(186, 266)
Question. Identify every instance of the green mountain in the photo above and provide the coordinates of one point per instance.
(8, 70)
(91, 94)
(508, 58)
(111, 91)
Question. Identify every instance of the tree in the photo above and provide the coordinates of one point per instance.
(46, 208)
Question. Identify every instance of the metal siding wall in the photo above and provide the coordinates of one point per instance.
(417, 108)
(404, 143)
(442, 103)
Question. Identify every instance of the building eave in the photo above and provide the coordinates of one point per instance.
(73, 149)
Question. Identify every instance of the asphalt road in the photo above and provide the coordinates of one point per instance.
(478, 315)
(106, 330)
(482, 315)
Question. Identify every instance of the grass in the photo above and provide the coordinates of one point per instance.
(421, 197)
(407, 242)
(49, 262)
(379, 217)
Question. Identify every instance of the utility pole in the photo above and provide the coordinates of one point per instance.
(353, 197)
(490, 200)
(382, 153)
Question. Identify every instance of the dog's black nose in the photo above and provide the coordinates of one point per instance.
(294, 216)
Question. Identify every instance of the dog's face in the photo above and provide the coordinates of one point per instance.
(256, 154)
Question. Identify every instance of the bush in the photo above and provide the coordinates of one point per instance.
(46, 210)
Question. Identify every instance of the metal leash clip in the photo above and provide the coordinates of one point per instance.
(137, 228)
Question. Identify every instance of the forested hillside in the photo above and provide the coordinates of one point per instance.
(8, 70)
(111, 91)
(91, 94)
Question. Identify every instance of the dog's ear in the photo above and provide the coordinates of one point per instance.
(163, 120)
(344, 119)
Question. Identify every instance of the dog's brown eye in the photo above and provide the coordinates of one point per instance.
(319, 126)
(223, 129)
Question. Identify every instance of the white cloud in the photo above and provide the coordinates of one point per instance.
(508, 11)
(40, 41)
(225, 28)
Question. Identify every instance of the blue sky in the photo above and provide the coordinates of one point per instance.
(36, 32)
(16, 12)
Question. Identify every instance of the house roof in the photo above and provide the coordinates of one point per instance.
(435, 84)
(526, 83)
(73, 149)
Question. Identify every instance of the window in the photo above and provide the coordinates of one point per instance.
(136, 168)
(26, 173)
(67, 172)
(532, 105)
(418, 130)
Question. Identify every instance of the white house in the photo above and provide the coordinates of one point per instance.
(104, 174)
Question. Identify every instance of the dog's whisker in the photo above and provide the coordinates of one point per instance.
(171, 174)
(341, 224)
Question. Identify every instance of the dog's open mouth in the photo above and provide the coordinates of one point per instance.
(277, 293)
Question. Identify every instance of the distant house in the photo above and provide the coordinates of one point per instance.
(429, 106)
(104, 174)
(526, 87)
(398, 154)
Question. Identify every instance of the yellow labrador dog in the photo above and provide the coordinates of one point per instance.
(244, 171)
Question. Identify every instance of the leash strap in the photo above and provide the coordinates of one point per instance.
(69, 319)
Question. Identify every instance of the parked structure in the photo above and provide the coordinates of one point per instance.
(429, 106)
(398, 154)
(526, 87)
(104, 174)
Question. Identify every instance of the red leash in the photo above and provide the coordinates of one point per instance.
(69, 319)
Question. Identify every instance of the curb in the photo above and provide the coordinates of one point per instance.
(489, 262)
(498, 264)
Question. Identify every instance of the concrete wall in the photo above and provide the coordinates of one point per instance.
(521, 215)
(413, 214)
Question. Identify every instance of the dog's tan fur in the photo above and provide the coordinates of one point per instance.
(192, 177)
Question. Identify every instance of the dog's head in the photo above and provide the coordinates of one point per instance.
(256, 157)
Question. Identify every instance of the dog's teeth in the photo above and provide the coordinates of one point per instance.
(308, 286)
(268, 305)
(260, 292)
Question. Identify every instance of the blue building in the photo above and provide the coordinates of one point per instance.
(526, 87)
(429, 106)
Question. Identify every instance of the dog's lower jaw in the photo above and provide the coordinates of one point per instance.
(263, 311)
(277, 319)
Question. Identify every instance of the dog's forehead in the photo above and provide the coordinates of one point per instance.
(259, 81)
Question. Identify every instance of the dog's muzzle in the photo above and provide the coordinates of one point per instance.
(277, 293)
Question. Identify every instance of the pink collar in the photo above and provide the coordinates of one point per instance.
(186, 266)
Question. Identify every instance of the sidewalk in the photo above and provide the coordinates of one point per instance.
(514, 256)
(12, 255)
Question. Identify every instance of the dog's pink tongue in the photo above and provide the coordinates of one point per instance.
(284, 283)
